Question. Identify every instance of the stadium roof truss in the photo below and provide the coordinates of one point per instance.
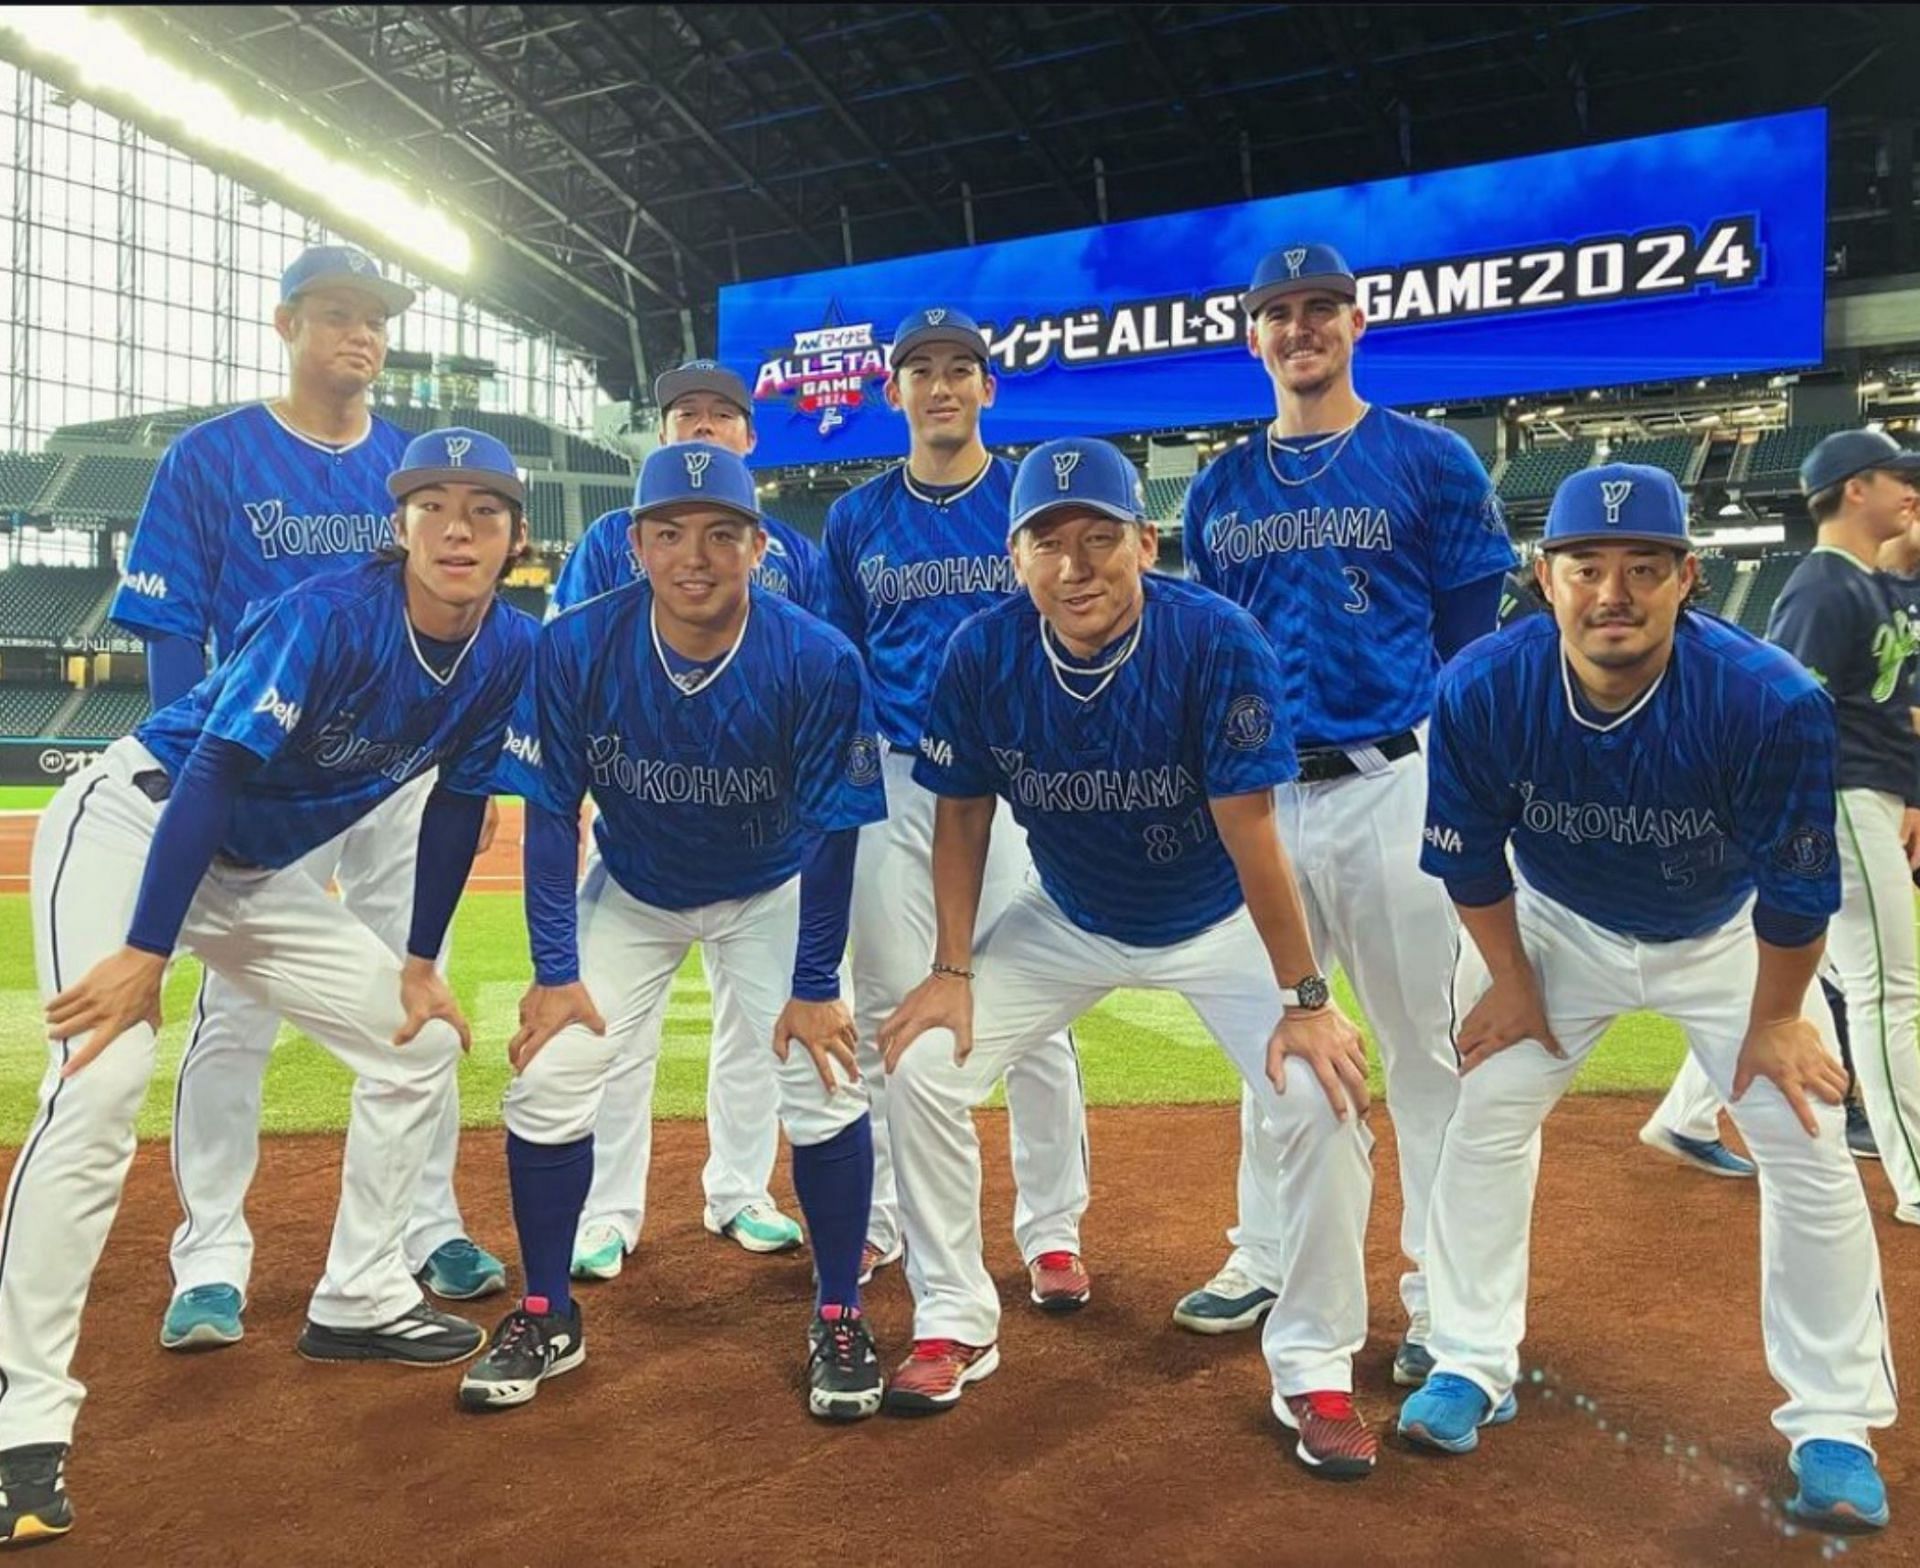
(628, 160)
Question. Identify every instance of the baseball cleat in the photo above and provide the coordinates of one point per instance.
(844, 1380)
(1448, 1411)
(530, 1345)
(33, 1494)
(458, 1270)
(1860, 1140)
(205, 1317)
(759, 1227)
(421, 1337)
(874, 1257)
(1839, 1486)
(1334, 1442)
(600, 1253)
(1227, 1303)
(1059, 1282)
(1710, 1156)
(1412, 1364)
(934, 1376)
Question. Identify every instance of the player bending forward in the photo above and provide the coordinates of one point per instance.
(1666, 782)
(190, 833)
(1133, 722)
(723, 733)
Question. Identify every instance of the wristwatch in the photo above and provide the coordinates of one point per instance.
(1311, 993)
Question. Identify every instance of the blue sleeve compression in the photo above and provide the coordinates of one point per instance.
(1460, 615)
(826, 895)
(175, 665)
(449, 834)
(187, 838)
(551, 870)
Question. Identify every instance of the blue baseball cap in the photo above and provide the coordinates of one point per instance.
(342, 267)
(457, 456)
(701, 375)
(1840, 457)
(1295, 267)
(937, 324)
(694, 472)
(1075, 471)
(1618, 503)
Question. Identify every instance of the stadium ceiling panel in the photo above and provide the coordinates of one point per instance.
(630, 159)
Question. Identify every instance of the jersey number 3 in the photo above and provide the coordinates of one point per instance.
(1359, 604)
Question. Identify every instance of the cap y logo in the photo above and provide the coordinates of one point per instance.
(1064, 463)
(357, 262)
(697, 468)
(935, 317)
(457, 448)
(1613, 496)
(1294, 259)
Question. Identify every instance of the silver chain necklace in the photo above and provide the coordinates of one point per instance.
(1338, 439)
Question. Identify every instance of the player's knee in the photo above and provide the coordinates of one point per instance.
(545, 1112)
(813, 1118)
(111, 1088)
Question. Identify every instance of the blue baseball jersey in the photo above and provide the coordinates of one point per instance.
(1658, 822)
(243, 507)
(604, 559)
(325, 683)
(713, 794)
(1339, 547)
(1113, 789)
(903, 570)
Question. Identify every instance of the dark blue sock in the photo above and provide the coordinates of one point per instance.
(835, 1183)
(549, 1182)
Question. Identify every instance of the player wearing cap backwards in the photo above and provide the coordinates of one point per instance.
(700, 401)
(910, 555)
(1371, 547)
(1665, 782)
(244, 506)
(1136, 725)
(1839, 616)
(191, 833)
(723, 734)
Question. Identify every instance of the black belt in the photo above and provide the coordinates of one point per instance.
(154, 784)
(1316, 767)
(902, 751)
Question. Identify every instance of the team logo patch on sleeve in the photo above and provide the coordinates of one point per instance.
(1249, 723)
(1806, 852)
(1493, 516)
(863, 761)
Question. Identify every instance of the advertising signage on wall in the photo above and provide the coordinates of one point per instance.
(1688, 254)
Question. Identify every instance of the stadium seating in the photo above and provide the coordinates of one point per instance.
(26, 711)
(106, 432)
(415, 421)
(1164, 496)
(533, 601)
(107, 712)
(1535, 474)
(167, 425)
(1778, 453)
(524, 437)
(1771, 577)
(547, 511)
(595, 499)
(51, 603)
(23, 476)
(805, 510)
(109, 487)
(583, 457)
(1673, 453)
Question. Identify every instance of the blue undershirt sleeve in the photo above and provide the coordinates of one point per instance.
(1783, 928)
(187, 838)
(449, 835)
(175, 665)
(826, 897)
(551, 869)
(1463, 614)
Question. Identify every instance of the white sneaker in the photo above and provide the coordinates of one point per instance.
(600, 1253)
(759, 1227)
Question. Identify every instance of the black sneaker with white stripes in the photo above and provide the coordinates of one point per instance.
(531, 1345)
(844, 1380)
(33, 1494)
(424, 1336)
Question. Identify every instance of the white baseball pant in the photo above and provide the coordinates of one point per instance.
(230, 1037)
(1691, 1108)
(1355, 846)
(1820, 1298)
(278, 937)
(1036, 972)
(629, 953)
(893, 931)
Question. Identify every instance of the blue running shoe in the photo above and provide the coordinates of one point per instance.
(1448, 1412)
(1708, 1155)
(457, 1270)
(1412, 1364)
(1839, 1485)
(207, 1317)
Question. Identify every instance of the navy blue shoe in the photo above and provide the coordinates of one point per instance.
(1412, 1364)
(1448, 1412)
(1860, 1133)
(1703, 1154)
(1226, 1304)
(1839, 1485)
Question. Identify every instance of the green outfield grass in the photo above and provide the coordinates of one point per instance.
(25, 797)
(1138, 1048)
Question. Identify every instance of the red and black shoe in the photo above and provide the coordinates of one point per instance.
(1334, 1441)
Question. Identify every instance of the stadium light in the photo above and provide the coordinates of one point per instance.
(107, 60)
(1870, 388)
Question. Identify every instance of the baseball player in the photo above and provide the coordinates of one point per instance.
(1840, 617)
(1666, 783)
(190, 833)
(1371, 547)
(909, 556)
(1136, 725)
(243, 507)
(700, 401)
(724, 735)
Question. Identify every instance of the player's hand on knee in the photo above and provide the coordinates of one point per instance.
(1910, 836)
(1333, 1049)
(544, 1011)
(425, 995)
(824, 1030)
(941, 1001)
(120, 991)
(1511, 1011)
(1790, 1052)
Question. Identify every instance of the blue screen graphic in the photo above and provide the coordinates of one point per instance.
(1689, 254)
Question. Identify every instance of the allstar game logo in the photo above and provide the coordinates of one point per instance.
(827, 374)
